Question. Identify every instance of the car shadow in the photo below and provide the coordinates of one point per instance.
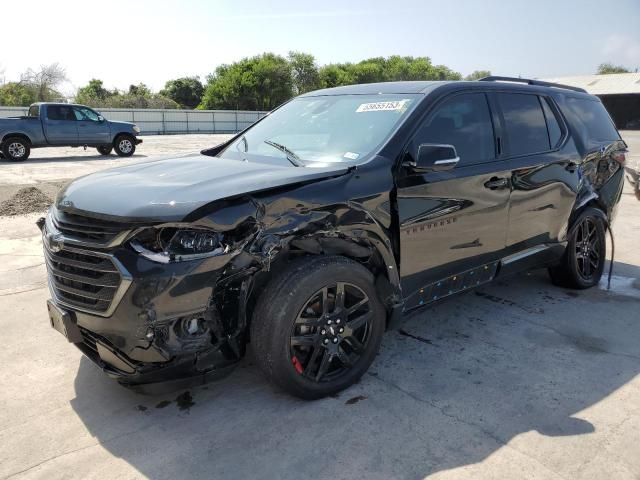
(72, 158)
(453, 385)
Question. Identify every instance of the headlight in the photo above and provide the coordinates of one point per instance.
(171, 244)
(136, 128)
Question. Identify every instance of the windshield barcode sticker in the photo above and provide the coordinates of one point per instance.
(381, 106)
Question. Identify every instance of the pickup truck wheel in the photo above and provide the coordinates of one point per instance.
(124, 145)
(583, 261)
(318, 326)
(104, 150)
(16, 149)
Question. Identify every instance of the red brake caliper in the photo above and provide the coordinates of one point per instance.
(296, 364)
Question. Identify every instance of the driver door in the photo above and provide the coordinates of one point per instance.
(453, 223)
(91, 130)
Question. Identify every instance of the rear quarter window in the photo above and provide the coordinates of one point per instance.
(593, 119)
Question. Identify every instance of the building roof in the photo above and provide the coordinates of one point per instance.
(603, 84)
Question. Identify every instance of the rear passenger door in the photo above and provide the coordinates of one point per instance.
(454, 221)
(544, 175)
(60, 125)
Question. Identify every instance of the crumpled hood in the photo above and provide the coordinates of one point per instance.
(169, 189)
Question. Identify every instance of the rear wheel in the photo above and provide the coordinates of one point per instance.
(583, 262)
(104, 149)
(124, 145)
(318, 326)
(16, 149)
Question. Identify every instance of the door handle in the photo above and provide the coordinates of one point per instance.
(494, 183)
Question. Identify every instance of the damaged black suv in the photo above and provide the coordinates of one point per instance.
(314, 230)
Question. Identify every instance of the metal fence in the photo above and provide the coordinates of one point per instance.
(165, 122)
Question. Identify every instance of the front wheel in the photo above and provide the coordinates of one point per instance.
(104, 149)
(583, 261)
(317, 326)
(124, 145)
(16, 149)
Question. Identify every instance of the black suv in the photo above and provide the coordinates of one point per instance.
(314, 230)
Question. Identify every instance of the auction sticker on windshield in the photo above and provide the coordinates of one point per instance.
(382, 106)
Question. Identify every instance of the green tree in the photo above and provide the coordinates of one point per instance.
(93, 93)
(17, 94)
(96, 95)
(380, 69)
(139, 90)
(257, 83)
(335, 75)
(478, 74)
(185, 91)
(605, 68)
(304, 72)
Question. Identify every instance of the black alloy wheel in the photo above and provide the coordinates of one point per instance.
(331, 332)
(317, 325)
(584, 259)
(588, 249)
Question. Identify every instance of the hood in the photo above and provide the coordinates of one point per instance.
(170, 189)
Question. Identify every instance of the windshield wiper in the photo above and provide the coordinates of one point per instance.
(291, 156)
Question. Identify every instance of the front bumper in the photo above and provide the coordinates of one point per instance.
(138, 141)
(139, 338)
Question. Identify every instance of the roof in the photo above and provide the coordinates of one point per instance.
(378, 88)
(614, 83)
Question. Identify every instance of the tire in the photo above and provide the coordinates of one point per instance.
(104, 149)
(583, 261)
(293, 342)
(124, 145)
(16, 149)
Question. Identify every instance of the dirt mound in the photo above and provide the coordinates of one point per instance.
(25, 200)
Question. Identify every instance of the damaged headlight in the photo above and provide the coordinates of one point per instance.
(172, 244)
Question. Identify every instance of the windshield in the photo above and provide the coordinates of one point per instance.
(323, 129)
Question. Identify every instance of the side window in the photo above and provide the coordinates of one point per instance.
(525, 124)
(60, 112)
(34, 111)
(594, 118)
(553, 127)
(463, 121)
(83, 113)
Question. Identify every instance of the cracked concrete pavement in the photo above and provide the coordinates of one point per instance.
(519, 379)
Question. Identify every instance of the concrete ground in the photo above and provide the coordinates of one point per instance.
(519, 379)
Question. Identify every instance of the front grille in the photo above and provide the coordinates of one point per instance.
(86, 229)
(82, 279)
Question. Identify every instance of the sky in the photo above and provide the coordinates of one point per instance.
(126, 42)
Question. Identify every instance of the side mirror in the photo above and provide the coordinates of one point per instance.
(434, 157)
(100, 118)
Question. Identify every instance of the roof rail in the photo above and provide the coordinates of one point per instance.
(528, 81)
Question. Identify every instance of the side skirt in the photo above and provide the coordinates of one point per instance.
(534, 257)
